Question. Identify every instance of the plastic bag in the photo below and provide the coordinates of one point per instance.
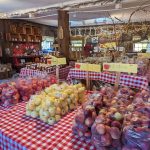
(106, 133)
(136, 131)
(9, 96)
(86, 116)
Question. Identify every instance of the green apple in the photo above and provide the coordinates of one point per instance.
(51, 121)
(118, 116)
(52, 111)
(34, 114)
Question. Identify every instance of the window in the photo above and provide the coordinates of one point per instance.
(139, 46)
(47, 44)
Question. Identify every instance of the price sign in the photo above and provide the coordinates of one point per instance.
(57, 61)
(88, 67)
(94, 67)
(119, 67)
(61, 61)
(81, 66)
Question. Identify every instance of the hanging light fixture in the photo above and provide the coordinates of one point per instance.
(118, 4)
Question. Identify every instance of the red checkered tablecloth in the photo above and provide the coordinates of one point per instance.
(125, 80)
(19, 132)
(63, 72)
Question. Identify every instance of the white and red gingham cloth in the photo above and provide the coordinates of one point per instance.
(63, 72)
(136, 82)
(19, 132)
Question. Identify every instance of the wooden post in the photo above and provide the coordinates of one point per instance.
(87, 81)
(117, 81)
(63, 32)
(57, 73)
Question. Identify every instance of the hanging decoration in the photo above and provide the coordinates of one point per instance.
(73, 7)
(60, 33)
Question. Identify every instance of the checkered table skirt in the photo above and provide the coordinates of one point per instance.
(125, 80)
(19, 132)
(63, 72)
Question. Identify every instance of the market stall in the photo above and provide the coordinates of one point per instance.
(63, 72)
(17, 131)
(84, 75)
(125, 80)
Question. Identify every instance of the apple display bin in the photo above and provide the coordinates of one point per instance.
(19, 132)
(63, 72)
(131, 81)
(20, 89)
(136, 130)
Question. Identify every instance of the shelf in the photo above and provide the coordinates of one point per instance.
(20, 65)
(110, 41)
(23, 42)
(28, 56)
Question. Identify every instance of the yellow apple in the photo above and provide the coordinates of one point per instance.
(57, 117)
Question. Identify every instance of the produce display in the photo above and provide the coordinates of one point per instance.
(21, 89)
(86, 116)
(106, 130)
(143, 63)
(113, 119)
(32, 85)
(42, 67)
(55, 101)
(9, 94)
(136, 130)
(95, 60)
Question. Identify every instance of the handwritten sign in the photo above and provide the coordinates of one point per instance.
(57, 61)
(94, 67)
(88, 67)
(119, 67)
(81, 66)
(144, 55)
(61, 61)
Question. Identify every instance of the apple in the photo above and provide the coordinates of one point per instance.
(89, 121)
(100, 129)
(51, 120)
(57, 117)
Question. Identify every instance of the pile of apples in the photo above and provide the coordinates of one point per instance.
(9, 94)
(2, 85)
(22, 89)
(55, 101)
(106, 130)
(28, 87)
(136, 130)
(143, 96)
(106, 120)
(86, 116)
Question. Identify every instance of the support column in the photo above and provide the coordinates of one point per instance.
(63, 32)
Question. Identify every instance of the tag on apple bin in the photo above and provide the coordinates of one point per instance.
(120, 67)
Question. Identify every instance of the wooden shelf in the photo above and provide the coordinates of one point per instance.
(28, 56)
(23, 42)
(23, 33)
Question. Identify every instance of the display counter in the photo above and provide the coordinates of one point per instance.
(63, 72)
(19, 132)
(137, 82)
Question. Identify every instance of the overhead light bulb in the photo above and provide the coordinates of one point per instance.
(31, 15)
(118, 5)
